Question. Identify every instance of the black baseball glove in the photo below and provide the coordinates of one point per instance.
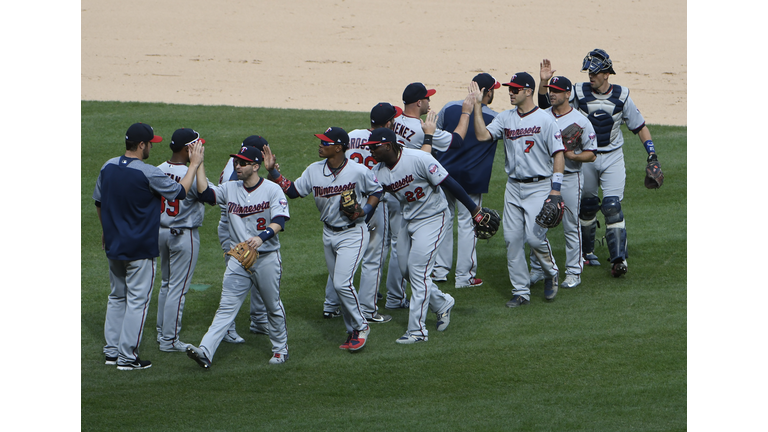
(572, 137)
(486, 223)
(654, 178)
(552, 212)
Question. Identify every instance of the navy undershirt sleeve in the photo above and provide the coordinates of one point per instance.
(208, 196)
(458, 192)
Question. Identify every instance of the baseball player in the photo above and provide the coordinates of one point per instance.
(534, 164)
(408, 127)
(471, 166)
(382, 115)
(343, 239)
(417, 180)
(258, 321)
(257, 210)
(179, 244)
(127, 197)
(606, 106)
(573, 181)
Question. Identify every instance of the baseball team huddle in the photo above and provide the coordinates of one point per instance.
(393, 188)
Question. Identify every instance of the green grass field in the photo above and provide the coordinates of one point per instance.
(609, 355)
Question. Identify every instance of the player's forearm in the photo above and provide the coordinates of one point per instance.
(202, 181)
(645, 137)
(461, 128)
(481, 132)
(557, 173)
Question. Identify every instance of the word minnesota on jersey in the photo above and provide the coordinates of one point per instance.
(332, 190)
(243, 211)
(517, 133)
(396, 186)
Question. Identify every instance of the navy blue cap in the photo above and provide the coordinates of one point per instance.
(486, 81)
(415, 92)
(255, 141)
(384, 112)
(560, 83)
(142, 132)
(184, 137)
(382, 135)
(251, 154)
(521, 80)
(335, 135)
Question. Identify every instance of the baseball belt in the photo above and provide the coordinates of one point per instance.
(339, 229)
(529, 180)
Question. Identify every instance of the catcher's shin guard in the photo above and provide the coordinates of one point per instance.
(588, 230)
(615, 230)
(616, 238)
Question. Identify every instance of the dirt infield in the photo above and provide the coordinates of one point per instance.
(349, 55)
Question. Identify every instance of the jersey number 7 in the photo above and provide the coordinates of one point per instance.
(530, 146)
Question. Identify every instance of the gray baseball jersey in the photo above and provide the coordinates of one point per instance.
(414, 181)
(343, 240)
(258, 310)
(409, 132)
(326, 188)
(588, 137)
(530, 141)
(250, 212)
(179, 248)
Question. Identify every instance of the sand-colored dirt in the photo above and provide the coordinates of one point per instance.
(351, 54)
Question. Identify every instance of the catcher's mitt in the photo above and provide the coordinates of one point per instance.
(572, 137)
(244, 253)
(486, 223)
(654, 178)
(552, 212)
(349, 204)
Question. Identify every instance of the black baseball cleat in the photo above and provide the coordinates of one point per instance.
(619, 268)
(110, 360)
(198, 355)
(136, 365)
(590, 259)
(334, 314)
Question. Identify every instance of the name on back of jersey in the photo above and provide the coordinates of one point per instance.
(332, 190)
(403, 131)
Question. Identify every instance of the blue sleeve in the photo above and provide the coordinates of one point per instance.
(544, 101)
(458, 192)
(280, 220)
(457, 141)
(208, 196)
(182, 194)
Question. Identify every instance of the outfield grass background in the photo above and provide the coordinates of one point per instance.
(609, 355)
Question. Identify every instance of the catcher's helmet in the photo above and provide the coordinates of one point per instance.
(597, 61)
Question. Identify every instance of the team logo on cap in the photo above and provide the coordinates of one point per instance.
(242, 149)
(554, 80)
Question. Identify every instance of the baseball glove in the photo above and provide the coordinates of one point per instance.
(244, 253)
(486, 223)
(654, 178)
(349, 205)
(552, 212)
(572, 137)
